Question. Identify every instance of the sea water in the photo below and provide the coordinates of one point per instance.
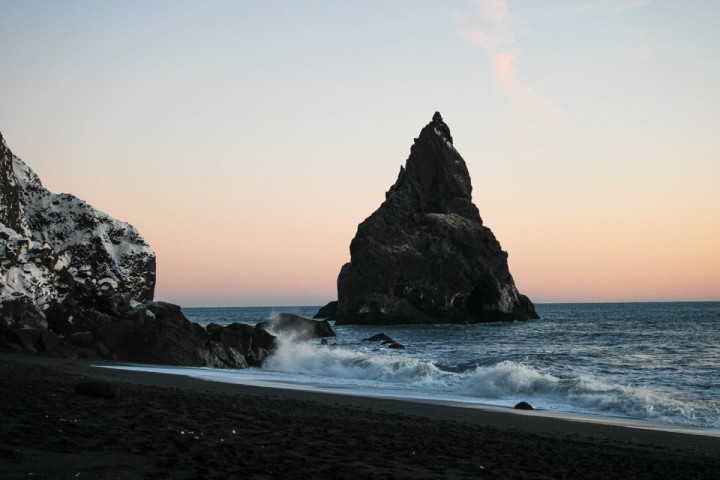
(657, 362)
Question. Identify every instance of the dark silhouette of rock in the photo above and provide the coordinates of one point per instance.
(47, 342)
(523, 406)
(20, 311)
(328, 312)
(384, 339)
(96, 390)
(11, 214)
(237, 335)
(298, 327)
(20, 340)
(82, 339)
(379, 337)
(254, 343)
(115, 334)
(424, 256)
(162, 335)
(264, 344)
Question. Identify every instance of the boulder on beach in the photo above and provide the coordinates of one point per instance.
(424, 256)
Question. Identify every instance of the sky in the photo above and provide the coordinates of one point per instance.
(246, 140)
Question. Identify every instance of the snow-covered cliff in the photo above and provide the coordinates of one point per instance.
(53, 244)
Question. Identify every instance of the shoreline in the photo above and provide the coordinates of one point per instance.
(182, 427)
(318, 394)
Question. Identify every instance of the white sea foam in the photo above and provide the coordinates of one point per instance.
(607, 360)
(351, 364)
(504, 383)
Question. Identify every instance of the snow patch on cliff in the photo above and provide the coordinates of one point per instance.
(63, 238)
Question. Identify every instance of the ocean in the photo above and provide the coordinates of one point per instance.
(651, 362)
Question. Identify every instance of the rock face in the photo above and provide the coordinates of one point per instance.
(297, 327)
(425, 256)
(328, 312)
(385, 340)
(52, 245)
(75, 282)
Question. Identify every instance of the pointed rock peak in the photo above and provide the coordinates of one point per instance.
(441, 127)
(435, 175)
(424, 256)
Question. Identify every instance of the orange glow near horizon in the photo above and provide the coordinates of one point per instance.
(247, 152)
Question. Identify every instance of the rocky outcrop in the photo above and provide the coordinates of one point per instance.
(328, 312)
(52, 245)
(425, 256)
(75, 282)
(385, 340)
(254, 343)
(159, 333)
(297, 327)
(153, 332)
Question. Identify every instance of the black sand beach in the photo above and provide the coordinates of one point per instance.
(166, 426)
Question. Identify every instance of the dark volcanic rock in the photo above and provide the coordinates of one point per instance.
(18, 310)
(162, 335)
(237, 335)
(425, 256)
(523, 406)
(20, 339)
(10, 210)
(384, 339)
(254, 343)
(380, 337)
(298, 327)
(82, 339)
(328, 312)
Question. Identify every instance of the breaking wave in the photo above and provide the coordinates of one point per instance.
(365, 370)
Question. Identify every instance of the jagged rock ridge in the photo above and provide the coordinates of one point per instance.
(75, 282)
(50, 242)
(424, 256)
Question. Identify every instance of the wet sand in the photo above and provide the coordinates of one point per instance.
(168, 426)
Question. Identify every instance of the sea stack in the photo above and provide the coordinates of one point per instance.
(425, 256)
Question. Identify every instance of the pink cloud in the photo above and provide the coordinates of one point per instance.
(504, 69)
(491, 26)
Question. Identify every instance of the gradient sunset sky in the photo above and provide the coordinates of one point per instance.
(247, 139)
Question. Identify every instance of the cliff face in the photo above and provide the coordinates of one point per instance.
(75, 282)
(51, 244)
(425, 256)
(10, 207)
